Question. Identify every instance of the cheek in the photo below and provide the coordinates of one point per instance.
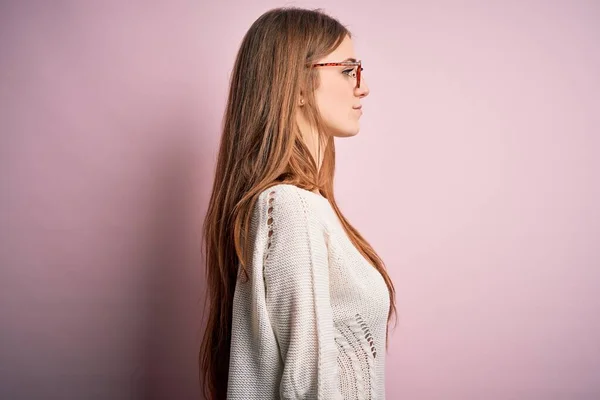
(335, 104)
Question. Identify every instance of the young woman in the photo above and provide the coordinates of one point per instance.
(299, 302)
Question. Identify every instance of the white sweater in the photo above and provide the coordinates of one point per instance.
(310, 323)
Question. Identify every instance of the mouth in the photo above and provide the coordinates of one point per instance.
(357, 107)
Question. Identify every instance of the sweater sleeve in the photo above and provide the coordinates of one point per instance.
(296, 274)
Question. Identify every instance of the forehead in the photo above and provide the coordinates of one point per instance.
(343, 51)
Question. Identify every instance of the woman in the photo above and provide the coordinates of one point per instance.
(299, 302)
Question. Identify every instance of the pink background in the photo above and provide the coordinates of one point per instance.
(475, 176)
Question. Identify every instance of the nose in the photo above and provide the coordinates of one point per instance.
(363, 90)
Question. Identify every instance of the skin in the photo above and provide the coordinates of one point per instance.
(336, 98)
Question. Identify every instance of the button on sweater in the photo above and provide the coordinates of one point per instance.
(310, 322)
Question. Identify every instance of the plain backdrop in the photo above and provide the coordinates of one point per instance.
(474, 176)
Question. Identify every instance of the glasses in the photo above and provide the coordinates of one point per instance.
(356, 63)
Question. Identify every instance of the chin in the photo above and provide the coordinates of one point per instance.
(347, 131)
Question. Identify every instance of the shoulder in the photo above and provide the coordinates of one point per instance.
(290, 202)
(288, 197)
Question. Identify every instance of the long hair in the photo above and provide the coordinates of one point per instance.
(261, 146)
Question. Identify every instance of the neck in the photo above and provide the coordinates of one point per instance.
(311, 137)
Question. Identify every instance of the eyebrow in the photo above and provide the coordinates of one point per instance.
(350, 59)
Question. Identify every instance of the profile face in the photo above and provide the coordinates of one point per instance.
(337, 97)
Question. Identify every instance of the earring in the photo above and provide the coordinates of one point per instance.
(301, 102)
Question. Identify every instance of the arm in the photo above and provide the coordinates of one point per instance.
(297, 296)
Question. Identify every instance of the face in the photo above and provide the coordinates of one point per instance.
(337, 97)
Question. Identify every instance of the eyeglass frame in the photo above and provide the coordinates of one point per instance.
(357, 63)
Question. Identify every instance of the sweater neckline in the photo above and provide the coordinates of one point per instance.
(321, 197)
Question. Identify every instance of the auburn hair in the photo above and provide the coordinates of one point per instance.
(261, 146)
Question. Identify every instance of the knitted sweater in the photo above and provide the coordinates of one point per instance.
(310, 323)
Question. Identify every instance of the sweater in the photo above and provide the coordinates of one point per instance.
(310, 322)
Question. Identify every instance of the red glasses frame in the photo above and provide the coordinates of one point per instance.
(357, 63)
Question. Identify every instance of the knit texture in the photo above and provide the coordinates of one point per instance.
(310, 323)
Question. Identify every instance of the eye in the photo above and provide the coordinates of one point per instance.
(350, 72)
